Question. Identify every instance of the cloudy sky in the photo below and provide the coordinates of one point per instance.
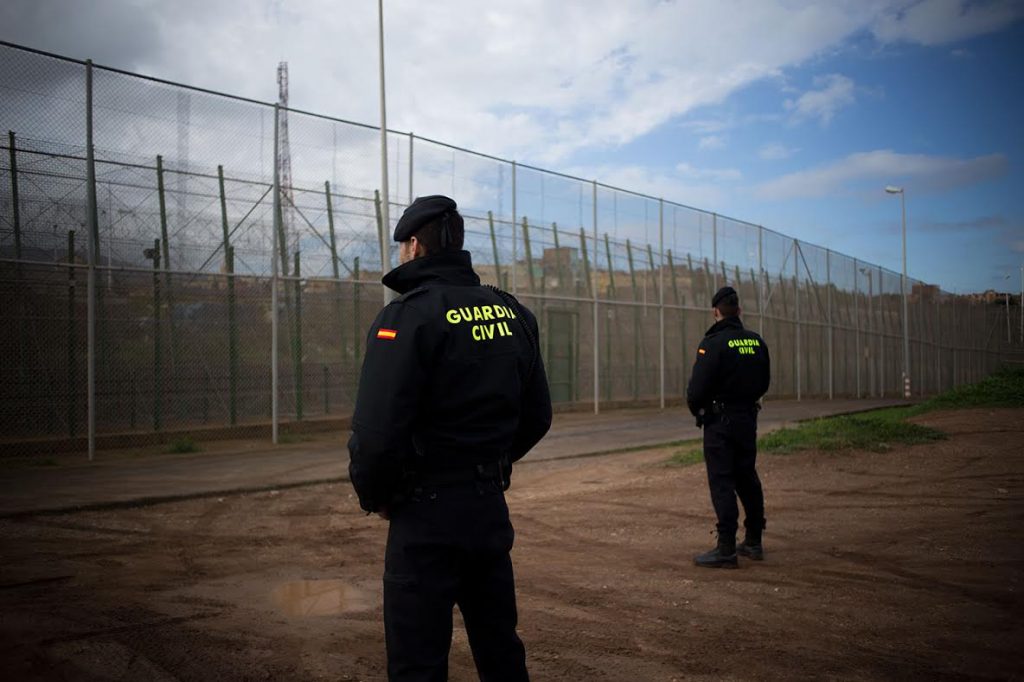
(790, 114)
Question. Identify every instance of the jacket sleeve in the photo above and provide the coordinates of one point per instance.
(391, 385)
(535, 415)
(699, 390)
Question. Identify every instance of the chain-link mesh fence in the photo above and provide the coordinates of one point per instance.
(217, 220)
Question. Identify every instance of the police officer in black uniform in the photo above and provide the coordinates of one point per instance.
(731, 373)
(452, 391)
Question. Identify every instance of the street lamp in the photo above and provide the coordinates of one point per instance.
(903, 289)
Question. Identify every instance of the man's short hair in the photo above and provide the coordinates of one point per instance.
(729, 306)
(727, 301)
(437, 236)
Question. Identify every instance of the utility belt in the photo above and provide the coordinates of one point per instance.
(496, 472)
(721, 407)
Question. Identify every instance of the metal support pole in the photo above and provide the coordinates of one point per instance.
(385, 248)
(586, 262)
(274, 282)
(558, 259)
(494, 249)
(297, 340)
(15, 208)
(796, 309)
(529, 255)
(515, 242)
(72, 340)
(714, 250)
(881, 337)
(906, 316)
(158, 370)
(94, 240)
(593, 290)
(831, 326)
(412, 138)
(856, 319)
(760, 280)
(661, 297)
(232, 340)
(636, 322)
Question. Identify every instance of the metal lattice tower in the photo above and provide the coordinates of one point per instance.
(284, 165)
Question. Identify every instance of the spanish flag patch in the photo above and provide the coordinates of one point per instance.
(388, 334)
(701, 351)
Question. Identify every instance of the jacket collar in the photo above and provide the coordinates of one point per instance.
(727, 323)
(446, 267)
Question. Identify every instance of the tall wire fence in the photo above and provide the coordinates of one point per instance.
(168, 266)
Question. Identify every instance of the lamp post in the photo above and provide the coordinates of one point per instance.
(903, 290)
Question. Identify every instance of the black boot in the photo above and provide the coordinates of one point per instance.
(722, 556)
(752, 546)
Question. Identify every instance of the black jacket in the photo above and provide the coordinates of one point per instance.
(732, 367)
(446, 382)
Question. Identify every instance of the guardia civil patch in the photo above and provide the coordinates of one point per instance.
(387, 334)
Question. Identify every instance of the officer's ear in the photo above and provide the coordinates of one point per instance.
(418, 249)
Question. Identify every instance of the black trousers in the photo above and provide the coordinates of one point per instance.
(450, 545)
(730, 452)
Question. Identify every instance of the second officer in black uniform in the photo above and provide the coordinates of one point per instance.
(452, 391)
(730, 374)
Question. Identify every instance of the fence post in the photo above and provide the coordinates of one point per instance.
(334, 266)
(661, 298)
(494, 249)
(515, 242)
(14, 196)
(72, 339)
(158, 384)
(232, 340)
(93, 241)
(411, 167)
(297, 340)
(880, 338)
(529, 255)
(831, 327)
(856, 319)
(274, 280)
(594, 291)
(796, 310)
(357, 315)
(636, 322)
(714, 252)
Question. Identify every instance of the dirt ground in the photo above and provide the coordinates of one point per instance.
(903, 565)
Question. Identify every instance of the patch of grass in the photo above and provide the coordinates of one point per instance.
(877, 433)
(182, 445)
(1004, 388)
(687, 457)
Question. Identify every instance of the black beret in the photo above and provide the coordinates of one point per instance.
(420, 212)
(722, 293)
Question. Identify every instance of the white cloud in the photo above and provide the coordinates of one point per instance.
(775, 151)
(834, 92)
(685, 170)
(939, 22)
(711, 142)
(877, 168)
